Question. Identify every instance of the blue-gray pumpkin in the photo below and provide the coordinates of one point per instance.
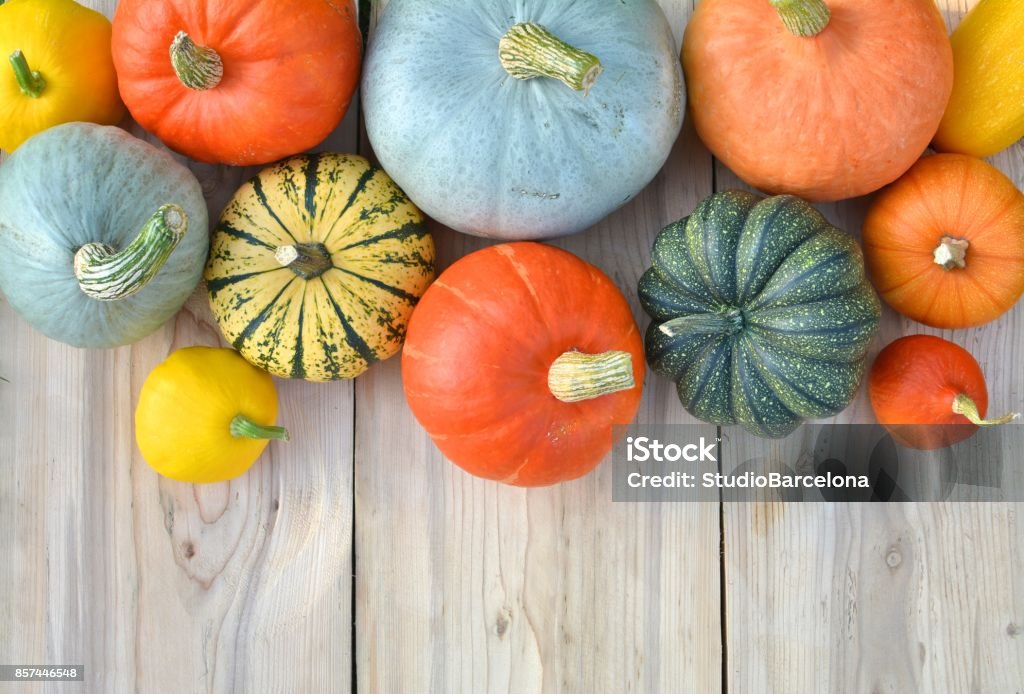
(102, 236)
(762, 312)
(522, 119)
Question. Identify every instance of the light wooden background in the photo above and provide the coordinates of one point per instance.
(356, 558)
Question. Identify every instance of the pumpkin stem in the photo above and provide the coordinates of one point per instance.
(307, 260)
(244, 428)
(30, 81)
(951, 253)
(528, 50)
(576, 376)
(727, 322)
(106, 274)
(803, 17)
(963, 405)
(198, 67)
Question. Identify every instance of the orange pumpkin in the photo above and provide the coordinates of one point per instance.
(519, 360)
(237, 81)
(945, 244)
(929, 393)
(825, 99)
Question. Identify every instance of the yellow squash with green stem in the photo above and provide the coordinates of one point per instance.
(985, 114)
(60, 68)
(205, 415)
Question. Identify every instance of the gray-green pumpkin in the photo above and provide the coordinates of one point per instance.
(762, 312)
(102, 236)
(522, 119)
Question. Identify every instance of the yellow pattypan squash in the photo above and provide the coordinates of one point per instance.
(205, 415)
(59, 68)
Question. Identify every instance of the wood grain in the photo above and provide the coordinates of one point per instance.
(467, 586)
(154, 585)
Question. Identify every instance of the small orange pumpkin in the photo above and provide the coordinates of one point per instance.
(944, 245)
(929, 393)
(825, 99)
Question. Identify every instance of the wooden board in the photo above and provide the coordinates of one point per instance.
(464, 586)
(879, 598)
(460, 585)
(154, 585)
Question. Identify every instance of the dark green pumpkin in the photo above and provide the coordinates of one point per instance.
(762, 313)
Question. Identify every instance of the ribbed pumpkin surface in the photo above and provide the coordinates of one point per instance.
(762, 314)
(338, 323)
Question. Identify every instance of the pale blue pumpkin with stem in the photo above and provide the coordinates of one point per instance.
(522, 119)
(102, 236)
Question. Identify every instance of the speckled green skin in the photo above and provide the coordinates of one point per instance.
(781, 314)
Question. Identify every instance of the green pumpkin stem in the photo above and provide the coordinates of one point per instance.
(951, 252)
(307, 260)
(727, 322)
(576, 376)
(30, 81)
(805, 18)
(964, 405)
(106, 274)
(198, 67)
(244, 428)
(529, 50)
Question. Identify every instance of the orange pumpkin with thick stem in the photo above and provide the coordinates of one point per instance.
(945, 244)
(519, 360)
(825, 99)
(237, 81)
(929, 393)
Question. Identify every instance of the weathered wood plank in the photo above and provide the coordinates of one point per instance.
(884, 598)
(467, 586)
(154, 585)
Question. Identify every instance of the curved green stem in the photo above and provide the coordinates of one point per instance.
(529, 50)
(307, 260)
(244, 428)
(576, 376)
(198, 67)
(727, 322)
(803, 17)
(106, 274)
(30, 81)
(951, 252)
(964, 405)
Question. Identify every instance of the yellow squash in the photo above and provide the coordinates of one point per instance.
(59, 68)
(316, 265)
(985, 114)
(205, 415)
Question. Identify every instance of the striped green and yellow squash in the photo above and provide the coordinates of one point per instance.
(316, 265)
(762, 313)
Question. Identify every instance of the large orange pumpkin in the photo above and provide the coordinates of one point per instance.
(237, 81)
(945, 244)
(519, 360)
(825, 99)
